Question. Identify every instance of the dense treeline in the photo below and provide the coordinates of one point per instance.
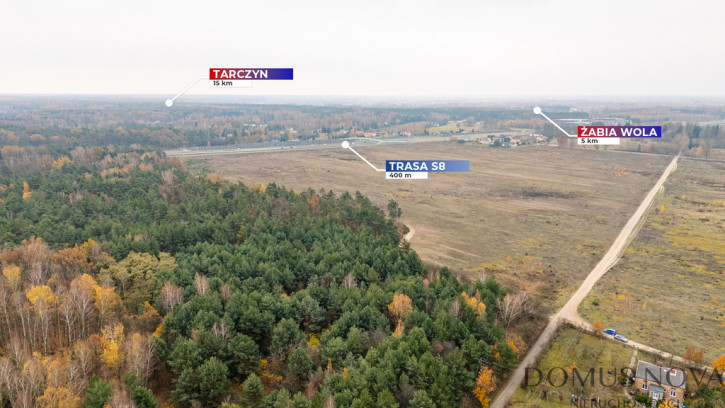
(689, 139)
(128, 281)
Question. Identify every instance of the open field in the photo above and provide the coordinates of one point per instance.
(717, 154)
(537, 217)
(477, 131)
(668, 291)
(453, 127)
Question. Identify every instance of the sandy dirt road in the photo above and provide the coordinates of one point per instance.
(569, 311)
(409, 235)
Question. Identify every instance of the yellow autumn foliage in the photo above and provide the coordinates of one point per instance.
(112, 339)
(59, 397)
(26, 191)
(400, 306)
(60, 162)
(475, 303)
(12, 276)
(719, 364)
(42, 298)
(314, 340)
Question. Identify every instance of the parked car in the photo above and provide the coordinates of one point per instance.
(621, 338)
(611, 331)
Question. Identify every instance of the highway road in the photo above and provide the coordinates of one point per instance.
(569, 311)
(332, 144)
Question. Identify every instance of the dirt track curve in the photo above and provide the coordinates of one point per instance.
(409, 235)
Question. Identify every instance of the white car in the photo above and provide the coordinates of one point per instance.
(620, 338)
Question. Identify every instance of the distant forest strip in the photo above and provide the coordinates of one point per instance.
(65, 124)
(123, 124)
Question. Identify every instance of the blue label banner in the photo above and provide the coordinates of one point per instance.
(436, 166)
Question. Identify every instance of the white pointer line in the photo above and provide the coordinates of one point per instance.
(170, 102)
(537, 110)
(346, 145)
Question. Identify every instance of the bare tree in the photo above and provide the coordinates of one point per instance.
(32, 380)
(36, 274)
(167, 190)
(42, 307)
(513, 307)
(4, 303)
(107, 303)
(201, 284)
(81, 294)
(330, 403)
(85, 356)
(18, 350)
(226, 293)
(171, 296)
(23, 394)
(82, 155)
(36, 253)
(455, 308)
(120, 399)
(221, 330)
(140, 356)
(22, 308)
(6, 373)
(482, 275)
(349, 281)
(67, 312)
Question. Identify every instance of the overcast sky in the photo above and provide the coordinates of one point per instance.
(481, 48)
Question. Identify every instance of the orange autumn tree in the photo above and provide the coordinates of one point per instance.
(485, 384)
(719, 364)
(598, 326)
(517, 344)
(72, 260)
(399, 308)
(695, 355)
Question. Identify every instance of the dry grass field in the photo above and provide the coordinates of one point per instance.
(538, 218)
(668, 291)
